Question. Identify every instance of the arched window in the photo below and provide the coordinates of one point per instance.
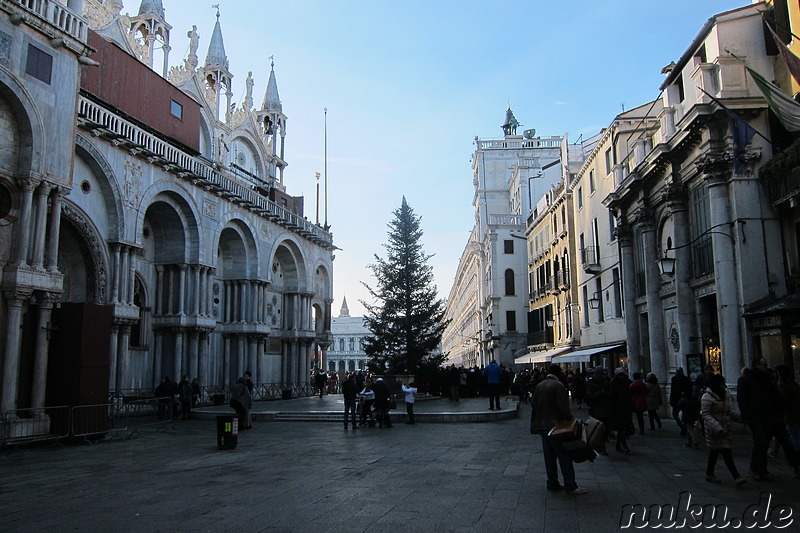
(510, 282)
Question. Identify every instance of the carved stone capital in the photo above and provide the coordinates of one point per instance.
(716, 166)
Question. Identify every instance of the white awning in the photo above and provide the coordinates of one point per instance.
(543, 356)
(583, 356)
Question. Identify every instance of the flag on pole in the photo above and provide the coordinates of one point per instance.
(787, 110)
(743, 133)
(792, 61)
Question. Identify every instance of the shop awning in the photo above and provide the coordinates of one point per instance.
(583, 356)
(543, 356)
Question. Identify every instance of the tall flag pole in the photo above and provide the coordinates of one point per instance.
(317, 199)
(326, 169)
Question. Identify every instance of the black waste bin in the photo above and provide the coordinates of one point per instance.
(227, 432)
(218, 399)
(286, 394)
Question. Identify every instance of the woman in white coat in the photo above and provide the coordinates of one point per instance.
(715, 409)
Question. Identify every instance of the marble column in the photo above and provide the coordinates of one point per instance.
(40, 225)
(112, 357)
(655, 308)
(178, 365)
(226, 361)
(20, 256)
(727, 290)
(194, 354)
(687, 308)
(158, 349)
(123, 355)
(632, 334)
(42, 349)
(116, 266)
(8, 397)
(54, 234)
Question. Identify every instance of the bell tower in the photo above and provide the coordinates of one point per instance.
(149, 31)
(273, 122)
(217, 74)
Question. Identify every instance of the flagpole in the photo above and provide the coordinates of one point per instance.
(325, 127)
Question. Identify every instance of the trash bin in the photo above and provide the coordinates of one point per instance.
(219, 399)
(286, 394)
(227, 432)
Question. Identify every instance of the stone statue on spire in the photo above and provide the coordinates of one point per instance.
(248, 96)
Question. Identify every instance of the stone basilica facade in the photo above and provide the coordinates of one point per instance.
(145, 226)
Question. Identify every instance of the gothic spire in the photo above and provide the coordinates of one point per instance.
(216, 57)
(154, 7)
(272, 102)
(344, 311)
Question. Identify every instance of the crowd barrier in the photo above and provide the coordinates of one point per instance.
(86, 422)
(126, 413)
(34, 425)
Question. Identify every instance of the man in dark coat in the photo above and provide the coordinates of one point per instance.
(382, 394)
(350, 393)
(678, 387)
(761, 406)
(601, 401)
(551, 405)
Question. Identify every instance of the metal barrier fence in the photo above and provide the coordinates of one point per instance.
(282, 391)
(34, 425)
(158, 412)
(97, 420)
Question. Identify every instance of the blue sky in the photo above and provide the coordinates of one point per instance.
(408, 86)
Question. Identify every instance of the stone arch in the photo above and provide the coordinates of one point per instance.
(110, 191)
(29, 127)
(82, 258)
(287, 267)
(236, 256)
(322, 281)
(183, 229)
(244, 138)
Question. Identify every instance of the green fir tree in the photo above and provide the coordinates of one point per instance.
(407, 320)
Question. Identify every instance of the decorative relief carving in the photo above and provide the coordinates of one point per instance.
(210, 209)
(97, 283)
(133, 183)
(716, 166)
(266, 231)
(101, 14)
(5, 49)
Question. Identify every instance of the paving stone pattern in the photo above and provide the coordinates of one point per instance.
(317, 477)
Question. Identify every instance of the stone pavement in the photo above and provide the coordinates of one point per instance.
(316, 477)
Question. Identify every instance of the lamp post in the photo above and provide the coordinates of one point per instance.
(666, 264)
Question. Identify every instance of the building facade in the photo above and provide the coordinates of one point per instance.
(507, 173)
(346, 352)
(690, 193)
(149, 231)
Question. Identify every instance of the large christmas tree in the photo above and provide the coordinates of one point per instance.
(407, 320)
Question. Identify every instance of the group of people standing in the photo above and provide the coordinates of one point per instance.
(177, 397)
(768, 402)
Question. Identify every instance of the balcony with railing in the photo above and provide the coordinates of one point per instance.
(54, 14)
(505, 220)
(236, 188)
(590, 259)
(518, 142)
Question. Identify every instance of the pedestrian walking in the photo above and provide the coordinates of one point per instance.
(382, 395)
(715, 408)
(639, 397)
(550, 404)
(623, 408)
(241, 401)
(654, 401)
(677, 388)
(493, 376)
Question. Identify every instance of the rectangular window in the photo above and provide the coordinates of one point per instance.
(612, 225)
(511, 321)
(638, 262)
(598, 288)
(39, 64)
(176, 109)
(591, 181)
(703, 254)
(617, 288)
(508, 246)
(585, 307)
(580, 197)
(609, 161)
